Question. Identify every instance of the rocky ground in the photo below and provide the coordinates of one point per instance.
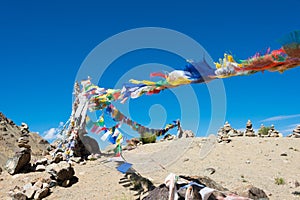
(271, 164)
(9, 135)
(237, 164)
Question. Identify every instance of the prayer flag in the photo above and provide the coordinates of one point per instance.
(89, 123)
(124, 167)
(105, 135)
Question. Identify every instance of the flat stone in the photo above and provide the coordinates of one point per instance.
(23, 150)
(39, 194)
(28, 185)
(227, 128)
(45, 185)
(92, 157)
(296, 135)
(38, 184)
(27, 146)
(43, 161)
(23, 140)
(40, 168)
(83, 163)
(29, 192)
(76, 159)
(98, 155)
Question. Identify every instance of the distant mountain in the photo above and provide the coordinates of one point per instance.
(9, 135)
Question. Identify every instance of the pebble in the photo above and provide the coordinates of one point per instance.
(66, 183)
(210, 171)
(297, 184)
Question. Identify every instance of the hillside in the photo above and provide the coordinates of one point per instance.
(9, 135)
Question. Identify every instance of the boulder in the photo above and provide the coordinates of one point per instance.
(251, 192)
(18, 162)
(61, 171)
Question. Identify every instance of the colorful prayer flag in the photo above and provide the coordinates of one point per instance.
(89, 123)
(123, 168)
(94, 129)
(118, 150)
(105, 136)
(119, 139)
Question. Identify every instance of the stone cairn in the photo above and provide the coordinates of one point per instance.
(249, 132)
(296, 132)
(227, 131)
(183, 133)
(21, 160)
(59, 174)
(273, 132)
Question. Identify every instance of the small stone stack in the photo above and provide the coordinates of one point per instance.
(188, 134)
(62, 173)
(223, 135)
(249, 132)
(36, 189)
(227, 131)
(24, 129)
(296, 132)
(21, 160)
(273, 132)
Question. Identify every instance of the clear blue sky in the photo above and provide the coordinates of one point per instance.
(43, 44)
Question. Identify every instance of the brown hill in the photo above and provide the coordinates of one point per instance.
(9, 135)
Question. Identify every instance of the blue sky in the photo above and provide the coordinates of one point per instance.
(43, 44)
